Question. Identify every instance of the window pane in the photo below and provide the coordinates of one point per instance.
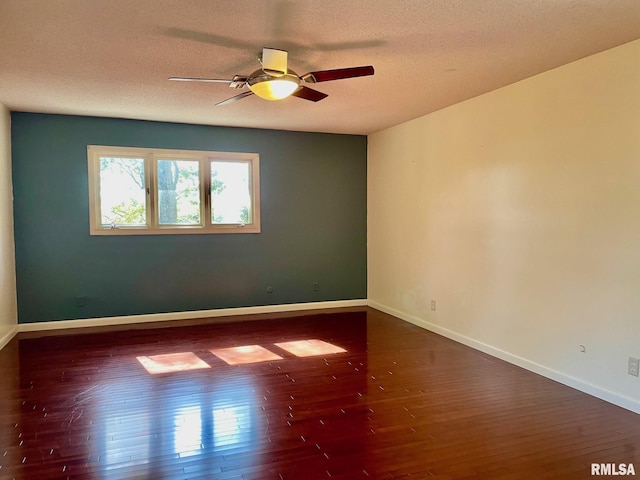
(122, 191)
(178, 192)
(230, 192)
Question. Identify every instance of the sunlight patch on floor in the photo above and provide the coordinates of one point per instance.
(309, 348)
(245, 354)
(172, 362)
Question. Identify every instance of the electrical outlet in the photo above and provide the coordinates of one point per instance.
(316, 286)
(433, 305)
(634, 366)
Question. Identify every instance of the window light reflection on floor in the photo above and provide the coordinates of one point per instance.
(245, 354)
(187, 436)
(231, 425)
(309, 348)
(172, 362)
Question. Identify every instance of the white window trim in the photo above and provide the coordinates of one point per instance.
(150, 156)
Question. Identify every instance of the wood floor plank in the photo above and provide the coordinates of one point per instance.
(398, 402)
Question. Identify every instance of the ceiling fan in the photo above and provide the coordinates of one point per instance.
(275, 81)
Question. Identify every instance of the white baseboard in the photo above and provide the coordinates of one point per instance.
(594, 390)
(163, 317)
(9, 334)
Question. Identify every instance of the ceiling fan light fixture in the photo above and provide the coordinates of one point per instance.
(273, 88)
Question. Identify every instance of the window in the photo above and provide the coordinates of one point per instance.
(142, 191)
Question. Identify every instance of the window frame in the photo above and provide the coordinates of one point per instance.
(151, 156)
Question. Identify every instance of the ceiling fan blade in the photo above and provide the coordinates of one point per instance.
(193, 79)
(235, 98)
(309, 94)
(337, 74)
(274, 61)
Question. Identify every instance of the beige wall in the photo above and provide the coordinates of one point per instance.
(8, 316)
(519, 213)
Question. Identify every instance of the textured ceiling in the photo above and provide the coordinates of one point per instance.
(113, 57)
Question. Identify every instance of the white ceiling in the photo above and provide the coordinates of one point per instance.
(113, 57)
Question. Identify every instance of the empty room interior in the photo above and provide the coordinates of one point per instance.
(310, 240)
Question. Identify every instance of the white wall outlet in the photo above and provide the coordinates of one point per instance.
(634, 366)
(433, 305)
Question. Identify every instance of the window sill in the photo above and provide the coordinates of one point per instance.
(238, 229)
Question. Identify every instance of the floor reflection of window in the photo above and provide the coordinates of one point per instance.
(309, 348)
(172, 362)
(245, 354)
(231, 425)
(163, 416)
(188, 431)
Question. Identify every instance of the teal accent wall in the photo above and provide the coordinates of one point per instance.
(313, 208)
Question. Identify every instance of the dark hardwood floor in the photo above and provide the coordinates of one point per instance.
(398, 402)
